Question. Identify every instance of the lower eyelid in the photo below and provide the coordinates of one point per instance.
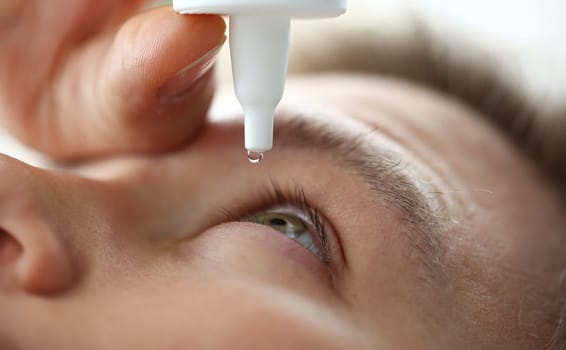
(273, 196)
(256, 244)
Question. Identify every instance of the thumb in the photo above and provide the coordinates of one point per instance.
(152, 90)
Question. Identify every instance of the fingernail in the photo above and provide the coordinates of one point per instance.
(185, 78)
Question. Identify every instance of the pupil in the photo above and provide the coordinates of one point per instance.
(277, 222)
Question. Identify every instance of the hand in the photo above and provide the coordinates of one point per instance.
(83, 78)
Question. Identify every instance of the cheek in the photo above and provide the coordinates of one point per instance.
(220, 314)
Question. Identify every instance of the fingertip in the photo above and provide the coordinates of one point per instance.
(154, 46)
(155, 82)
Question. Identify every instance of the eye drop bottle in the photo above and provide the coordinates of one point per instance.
(259, 49)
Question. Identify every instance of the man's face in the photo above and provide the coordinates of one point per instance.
(386, 217)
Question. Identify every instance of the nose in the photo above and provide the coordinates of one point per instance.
(34, 257)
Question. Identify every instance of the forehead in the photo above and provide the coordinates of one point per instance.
(506, 227)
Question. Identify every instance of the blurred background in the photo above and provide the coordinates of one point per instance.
(528, 34)
(536, 29)
(534, 24)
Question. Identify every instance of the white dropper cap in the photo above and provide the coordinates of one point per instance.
(259, 47)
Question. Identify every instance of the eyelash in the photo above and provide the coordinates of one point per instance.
(274, 195)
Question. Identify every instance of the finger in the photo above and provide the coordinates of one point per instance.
(159, 76)
(148, 89)
(36, 39)
(8, 8)
(78, 17)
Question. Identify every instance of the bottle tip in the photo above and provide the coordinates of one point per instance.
(255, 157)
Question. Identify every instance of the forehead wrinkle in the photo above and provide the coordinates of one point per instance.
(382, 171)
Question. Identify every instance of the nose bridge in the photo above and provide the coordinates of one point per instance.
(175, 198)
(164, 203)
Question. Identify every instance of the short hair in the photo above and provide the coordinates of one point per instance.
(459, 68)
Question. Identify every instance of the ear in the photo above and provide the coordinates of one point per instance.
(34, 258)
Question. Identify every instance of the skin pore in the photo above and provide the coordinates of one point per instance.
(440, 233)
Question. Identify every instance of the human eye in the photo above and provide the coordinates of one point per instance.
(293, 223)
(290, 212)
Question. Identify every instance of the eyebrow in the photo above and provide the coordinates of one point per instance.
(381, 170)
(470, 73)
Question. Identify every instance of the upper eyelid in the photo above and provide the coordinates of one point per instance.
(272, 195)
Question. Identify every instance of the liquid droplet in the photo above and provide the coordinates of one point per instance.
(255, 157)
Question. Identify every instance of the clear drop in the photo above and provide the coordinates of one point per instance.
(255, 157)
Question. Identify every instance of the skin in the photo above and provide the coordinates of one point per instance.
(132, 252)
(89, 78)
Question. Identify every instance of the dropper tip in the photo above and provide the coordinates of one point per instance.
(255, 157)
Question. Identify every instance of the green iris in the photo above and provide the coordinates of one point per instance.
(290, 225)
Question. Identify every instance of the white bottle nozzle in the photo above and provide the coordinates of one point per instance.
(259, 46)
